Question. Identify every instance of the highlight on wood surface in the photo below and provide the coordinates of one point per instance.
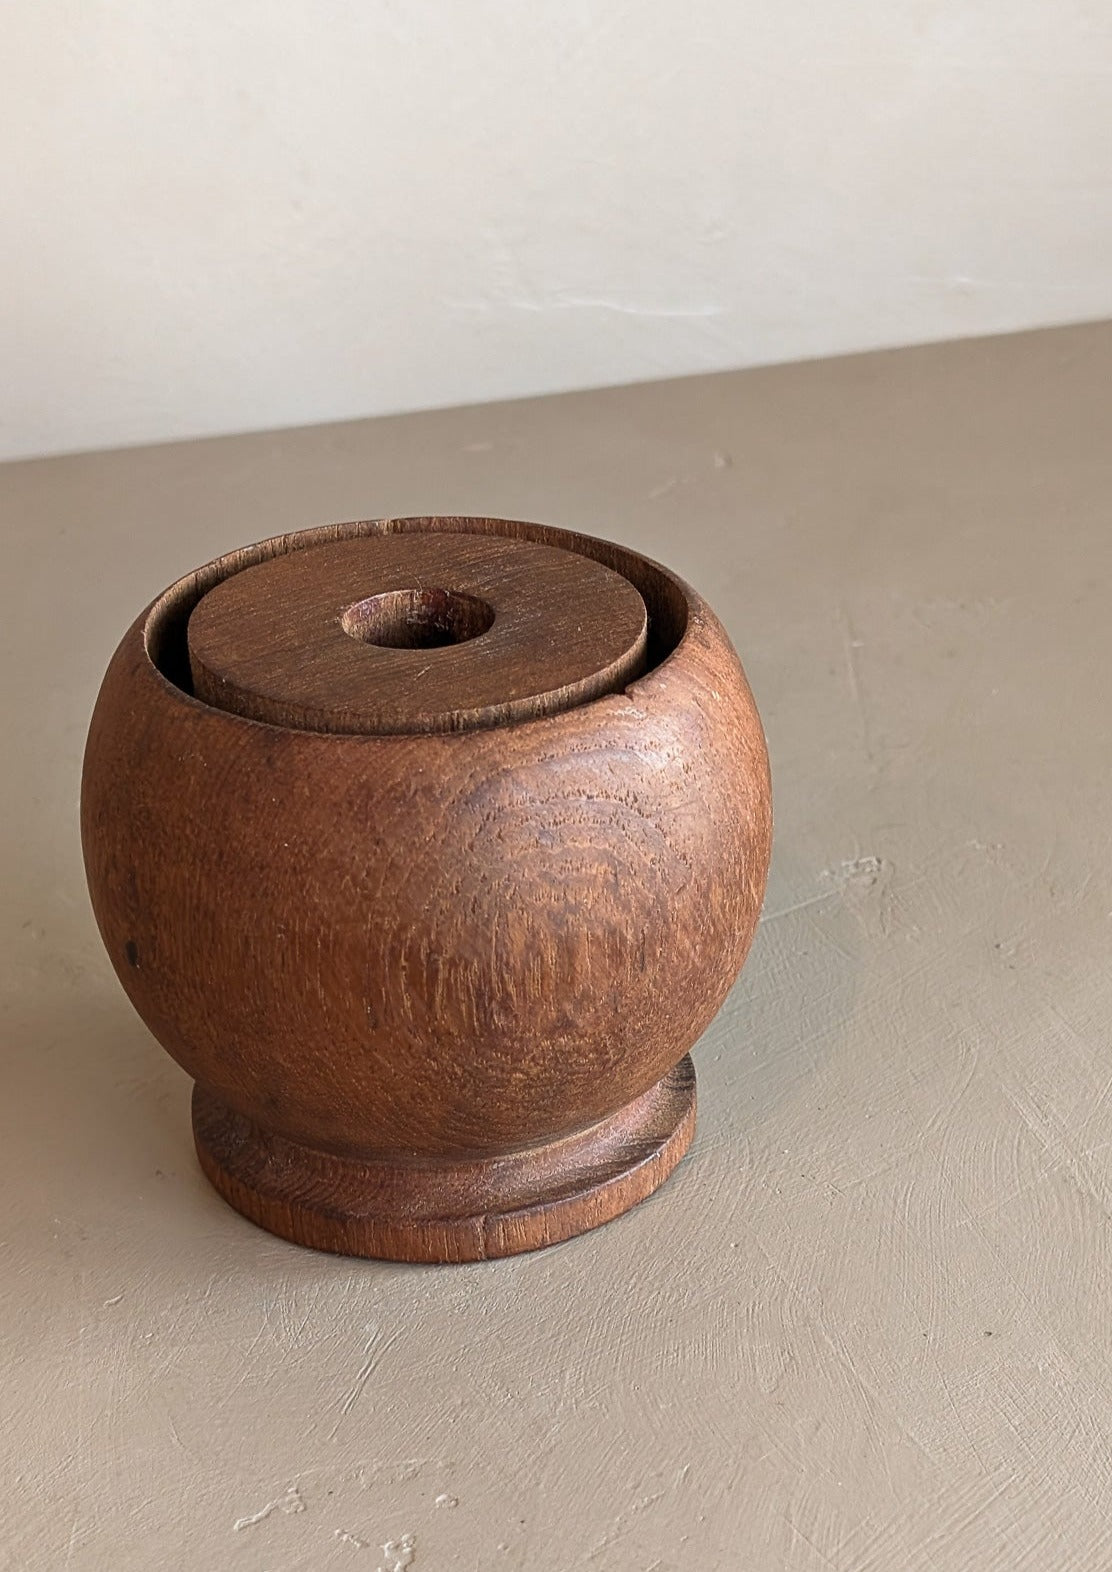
(429, 847)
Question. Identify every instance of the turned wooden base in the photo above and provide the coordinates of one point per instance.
(448, 1211)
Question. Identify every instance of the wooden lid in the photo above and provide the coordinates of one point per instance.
(416, 632)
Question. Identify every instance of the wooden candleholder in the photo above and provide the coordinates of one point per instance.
(428, 847)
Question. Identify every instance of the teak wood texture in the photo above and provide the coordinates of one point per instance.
(429, 847)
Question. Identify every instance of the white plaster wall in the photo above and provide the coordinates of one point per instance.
(227, 214)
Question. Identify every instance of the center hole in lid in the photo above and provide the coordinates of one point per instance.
(417, 619)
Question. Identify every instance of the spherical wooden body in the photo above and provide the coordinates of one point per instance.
(435, 987)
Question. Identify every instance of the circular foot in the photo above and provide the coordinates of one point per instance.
(448, 1210)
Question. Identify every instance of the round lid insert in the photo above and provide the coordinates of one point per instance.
(423, 631)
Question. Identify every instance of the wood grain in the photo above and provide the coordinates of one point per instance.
(403, 633)
(444, 946)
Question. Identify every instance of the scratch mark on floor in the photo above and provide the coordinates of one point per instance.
(373, 1350)
(796, 906)
(807, 1540)
(851, 644)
